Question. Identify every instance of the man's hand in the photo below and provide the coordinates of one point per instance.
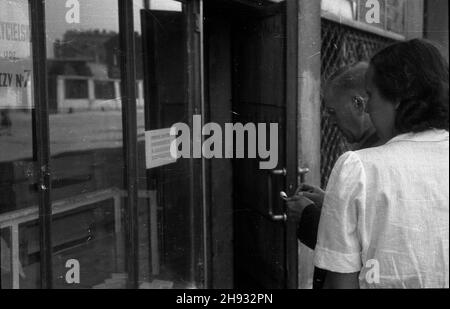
(312, 193)
(296, 205)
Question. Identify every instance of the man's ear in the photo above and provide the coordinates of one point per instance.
(359, 104)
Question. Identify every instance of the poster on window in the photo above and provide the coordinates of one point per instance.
(158, 150)
(15, 55)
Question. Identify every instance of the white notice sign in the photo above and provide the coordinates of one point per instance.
(157, 148)
(15, 55)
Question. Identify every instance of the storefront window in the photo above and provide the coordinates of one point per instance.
(87, 156)
(19, 258)
(86, 143)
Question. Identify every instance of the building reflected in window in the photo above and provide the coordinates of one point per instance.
(85, 74)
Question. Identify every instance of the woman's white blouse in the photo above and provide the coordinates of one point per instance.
(386, 214)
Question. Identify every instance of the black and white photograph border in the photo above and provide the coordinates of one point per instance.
(224, 145)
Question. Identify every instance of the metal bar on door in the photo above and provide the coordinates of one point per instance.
(129, 117)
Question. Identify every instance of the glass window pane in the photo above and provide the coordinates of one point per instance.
(5, 259)
(18, 195)
(173, 207)
(86, 138)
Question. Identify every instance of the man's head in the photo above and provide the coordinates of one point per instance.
(345, 102)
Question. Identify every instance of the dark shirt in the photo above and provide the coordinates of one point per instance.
(309, 226)
(309, 223)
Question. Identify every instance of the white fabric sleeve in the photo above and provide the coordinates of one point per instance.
(338, 246)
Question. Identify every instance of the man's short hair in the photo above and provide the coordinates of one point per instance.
(351, 77)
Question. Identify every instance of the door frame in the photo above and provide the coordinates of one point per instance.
(305, 24)
(41, 140)
(291, 138)
(199, 212)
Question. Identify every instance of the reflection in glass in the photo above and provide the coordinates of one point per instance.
(18, 196)
(87, 154)
(175, 220)
(86, 139)
(5, 259)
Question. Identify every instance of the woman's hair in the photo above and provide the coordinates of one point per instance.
(414, 74)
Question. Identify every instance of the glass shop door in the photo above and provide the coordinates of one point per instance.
(18, 162)
(172, 88)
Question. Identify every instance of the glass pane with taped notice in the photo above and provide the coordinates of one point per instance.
(175, 236)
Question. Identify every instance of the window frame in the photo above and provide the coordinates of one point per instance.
(41, 138)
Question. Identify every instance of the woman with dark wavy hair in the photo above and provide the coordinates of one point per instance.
(385, 218)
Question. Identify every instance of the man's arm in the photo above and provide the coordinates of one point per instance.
(341, 281)
(309, 226)
(309, 220)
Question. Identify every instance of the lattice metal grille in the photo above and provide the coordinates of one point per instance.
(341, 46)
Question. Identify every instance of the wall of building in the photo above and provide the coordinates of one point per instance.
(436, 23)
(414, 19)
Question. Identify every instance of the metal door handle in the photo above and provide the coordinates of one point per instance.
(303, 171)
(274, 217)
(281, 172)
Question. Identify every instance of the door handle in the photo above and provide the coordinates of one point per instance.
(302, 172)
(275, 217)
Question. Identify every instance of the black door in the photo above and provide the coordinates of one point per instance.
(251, 36)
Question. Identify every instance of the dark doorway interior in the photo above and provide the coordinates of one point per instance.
(245, 45)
